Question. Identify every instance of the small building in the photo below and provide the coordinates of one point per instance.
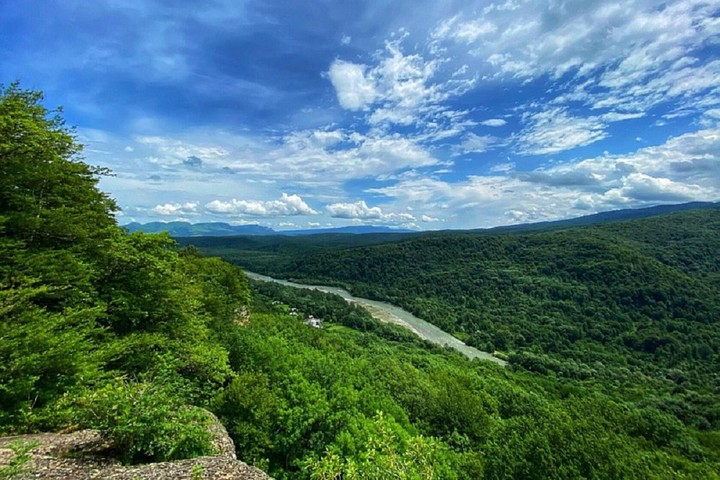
(314, 322)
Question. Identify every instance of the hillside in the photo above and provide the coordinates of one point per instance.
(636, 302)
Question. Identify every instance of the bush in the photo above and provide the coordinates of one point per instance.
(145, 421)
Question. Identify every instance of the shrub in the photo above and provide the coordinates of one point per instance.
(145, 421)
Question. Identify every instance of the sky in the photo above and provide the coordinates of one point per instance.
(415, 114)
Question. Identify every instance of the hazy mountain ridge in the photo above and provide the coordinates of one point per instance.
(222, 229)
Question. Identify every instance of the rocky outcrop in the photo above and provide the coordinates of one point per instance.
(79, 455)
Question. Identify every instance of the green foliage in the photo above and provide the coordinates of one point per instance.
(82, 303)
(47, 196)
(388, 453)
(616, 304)
(304, 405)
(145, 421)
(617, 323)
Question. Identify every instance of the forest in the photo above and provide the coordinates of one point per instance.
(613, 358)
(631, 307)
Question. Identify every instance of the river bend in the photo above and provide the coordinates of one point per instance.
(386, 312)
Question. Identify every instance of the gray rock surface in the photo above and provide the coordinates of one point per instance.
(78, 455)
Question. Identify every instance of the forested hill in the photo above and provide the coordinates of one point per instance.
(645, 286)
(628, 301)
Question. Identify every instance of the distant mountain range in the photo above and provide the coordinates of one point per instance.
(611, 216)
(219, 229)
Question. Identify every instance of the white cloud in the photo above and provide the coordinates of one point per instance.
(558, 37)
(641, 187)
(629, 55)
(606, 61)
(685, 168)
(354, 89)
(477, 143)
(176, 208)
(367, 156)
(493, 122)
(360, 211)
(554, 130)
(401, 89)
(502, 167)
(285, 206)
(169, 151)
(618, 116)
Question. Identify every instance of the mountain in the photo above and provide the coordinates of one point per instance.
(219, 229)
(356, 230)
(210, 229)
(603, 217)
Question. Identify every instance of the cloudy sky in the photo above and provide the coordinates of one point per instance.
(421, 114)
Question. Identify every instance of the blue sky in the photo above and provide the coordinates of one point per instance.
(425, 115)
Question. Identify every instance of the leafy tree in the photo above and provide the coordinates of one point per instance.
(48, 197)
(389, 452)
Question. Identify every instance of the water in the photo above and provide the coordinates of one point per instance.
(386, 312)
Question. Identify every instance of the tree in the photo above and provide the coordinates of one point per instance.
(48, 196)
(50, 211)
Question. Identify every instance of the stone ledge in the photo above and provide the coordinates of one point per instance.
(78, 455)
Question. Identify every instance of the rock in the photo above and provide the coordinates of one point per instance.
(79, 455)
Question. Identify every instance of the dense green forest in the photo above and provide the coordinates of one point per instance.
(631, 307)
(130, 334)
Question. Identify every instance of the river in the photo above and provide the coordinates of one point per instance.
(386, 312)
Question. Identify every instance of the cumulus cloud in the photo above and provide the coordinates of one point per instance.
(287, 205)
(401, 89)
(645, 188)
(360, 211)
(355, 90)
(176, 208)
